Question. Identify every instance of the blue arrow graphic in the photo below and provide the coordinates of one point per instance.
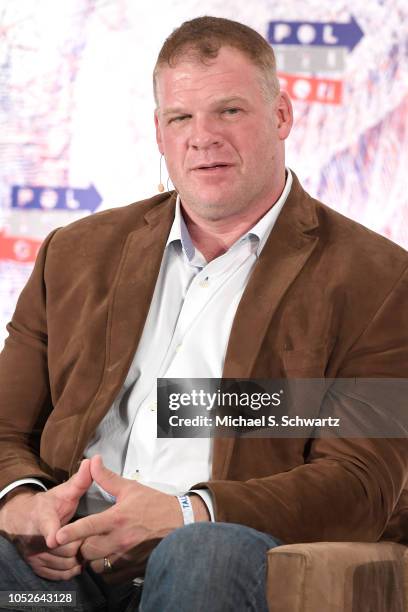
(330, 34)
(89, 199)
(55, 198)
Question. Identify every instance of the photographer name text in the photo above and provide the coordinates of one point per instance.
(252, 422)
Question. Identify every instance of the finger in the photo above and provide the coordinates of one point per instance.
(99, 565)
(118, 541)
(49, 561)
(50, 574)
(79, 483)
(108, 480)
(123, 568)
(94, 524)
(68, 550)
(98, 547)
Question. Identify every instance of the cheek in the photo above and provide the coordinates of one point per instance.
(249, 141)
(264, 147)
(174, 152)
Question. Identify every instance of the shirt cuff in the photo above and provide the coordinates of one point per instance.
(20, 482)
(207, 499)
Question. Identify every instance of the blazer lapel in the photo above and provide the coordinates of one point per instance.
(286, 251)
(129, 306)
(136, 281)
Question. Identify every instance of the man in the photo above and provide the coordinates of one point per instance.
(246, 276)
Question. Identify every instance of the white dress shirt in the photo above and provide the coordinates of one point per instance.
(185, 336)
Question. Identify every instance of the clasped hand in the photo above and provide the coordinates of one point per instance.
(126, 533)
(31, 520)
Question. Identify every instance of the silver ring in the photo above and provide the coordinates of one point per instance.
(107, 565)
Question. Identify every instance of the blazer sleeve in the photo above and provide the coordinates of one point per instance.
(25, 401)
(347, 488)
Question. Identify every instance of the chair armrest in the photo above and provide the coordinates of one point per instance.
(338, 577)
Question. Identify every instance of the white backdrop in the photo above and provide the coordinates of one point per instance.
(76, 109)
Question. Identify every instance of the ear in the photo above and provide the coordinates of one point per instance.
(159, 139)
(284, 114)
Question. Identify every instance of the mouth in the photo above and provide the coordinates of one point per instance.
(214, 166)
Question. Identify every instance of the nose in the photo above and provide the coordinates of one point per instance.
(204, 133)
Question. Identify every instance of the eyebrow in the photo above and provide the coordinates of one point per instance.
(221, 102)
(174, 111)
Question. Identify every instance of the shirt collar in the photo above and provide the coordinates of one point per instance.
(264, 226)
(260, 231)
(179, 232)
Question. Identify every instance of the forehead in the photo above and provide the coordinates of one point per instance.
(231, 72)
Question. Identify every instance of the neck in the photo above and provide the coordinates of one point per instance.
(213, 237)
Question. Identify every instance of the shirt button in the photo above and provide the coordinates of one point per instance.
(204, 283)
(135, 475)
(153, 406)
(178, 347)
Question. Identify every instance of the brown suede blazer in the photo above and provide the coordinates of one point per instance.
(326, 298)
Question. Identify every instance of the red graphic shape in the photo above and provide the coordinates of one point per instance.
(311, 89)
(18, 248)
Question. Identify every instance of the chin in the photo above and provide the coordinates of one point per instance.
(211, 200)
(211, 204)
(213, 211)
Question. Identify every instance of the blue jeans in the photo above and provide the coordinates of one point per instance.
(91, 594)
(205, 567)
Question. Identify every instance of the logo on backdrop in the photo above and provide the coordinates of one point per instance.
(311, 57)
(18, 248)
(55, 198)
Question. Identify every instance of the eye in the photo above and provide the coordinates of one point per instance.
(231, 111)
(179, 118)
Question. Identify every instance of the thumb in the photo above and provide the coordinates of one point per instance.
(109, 481)
(48, 525)
(79, 483)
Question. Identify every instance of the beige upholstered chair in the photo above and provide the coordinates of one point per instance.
(338, 577)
